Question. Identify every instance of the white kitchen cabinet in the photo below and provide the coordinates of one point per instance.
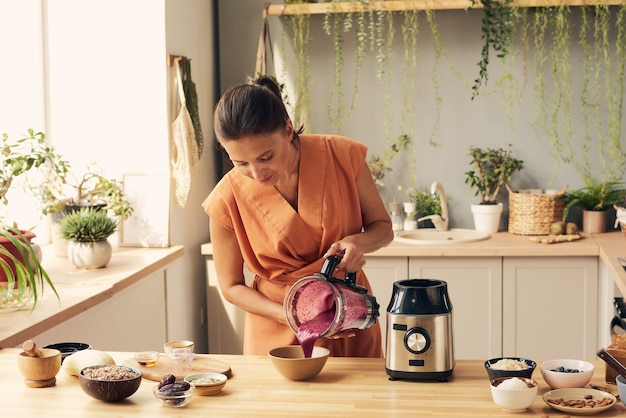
(550, 307)
(381, 273)
(475, 290)
(132, 320)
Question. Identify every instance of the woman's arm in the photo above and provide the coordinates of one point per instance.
(229, 269)
(377, 231)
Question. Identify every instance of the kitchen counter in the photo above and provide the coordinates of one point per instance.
(346, 387)
(80, 290)
(608, 247)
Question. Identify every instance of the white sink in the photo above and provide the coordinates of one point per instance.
(431, 236)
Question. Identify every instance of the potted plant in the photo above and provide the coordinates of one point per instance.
(595, 198)
(22, 277)
(493, 168)
(59, 196)
(87, 231)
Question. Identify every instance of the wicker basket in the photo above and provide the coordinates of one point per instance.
(531, 212)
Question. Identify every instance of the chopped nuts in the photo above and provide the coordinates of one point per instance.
(587, 402)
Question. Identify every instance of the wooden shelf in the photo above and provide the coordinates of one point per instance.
(400, 5)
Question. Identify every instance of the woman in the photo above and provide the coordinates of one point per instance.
(290, 201)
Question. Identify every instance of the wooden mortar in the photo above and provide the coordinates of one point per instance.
(40, 371)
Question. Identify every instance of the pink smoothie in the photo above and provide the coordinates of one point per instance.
(315, 308)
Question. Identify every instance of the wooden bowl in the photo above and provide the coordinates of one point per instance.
(106, 389)
(40, 372)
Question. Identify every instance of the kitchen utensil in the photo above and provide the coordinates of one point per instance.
(30, 349)
(612, 361)
(39, 370)
(324, 306)
(419, 331)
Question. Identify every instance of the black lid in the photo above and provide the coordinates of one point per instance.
(420, 296)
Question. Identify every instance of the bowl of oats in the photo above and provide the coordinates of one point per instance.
(109, 382)
(207, 383)
(510, 367)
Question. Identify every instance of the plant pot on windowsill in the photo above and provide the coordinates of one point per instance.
(87, 232)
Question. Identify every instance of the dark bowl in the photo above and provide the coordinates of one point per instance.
(109, 390)
(496, 373)
(68, 348)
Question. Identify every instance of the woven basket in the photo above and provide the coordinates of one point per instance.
(531, 212)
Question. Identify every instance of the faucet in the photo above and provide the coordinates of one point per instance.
(440, 221)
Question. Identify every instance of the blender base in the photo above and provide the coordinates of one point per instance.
(440, 376)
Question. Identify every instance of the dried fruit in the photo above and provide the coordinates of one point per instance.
(168, 379)
(174, 389)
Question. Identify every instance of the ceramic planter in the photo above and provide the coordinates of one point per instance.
(487, 217)
(594, 221)
(89, 255)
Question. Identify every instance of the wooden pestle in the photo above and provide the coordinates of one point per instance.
(30, 349)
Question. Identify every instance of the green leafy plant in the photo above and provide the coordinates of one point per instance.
(93, 189)
(492, 169)
(24, 278)
(87, 225)
(379, 166)
(595, 196)
(425, 203)
(496, 29)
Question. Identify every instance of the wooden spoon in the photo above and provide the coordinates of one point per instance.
(30, 349)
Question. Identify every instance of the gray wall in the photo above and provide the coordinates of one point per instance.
(482, 122)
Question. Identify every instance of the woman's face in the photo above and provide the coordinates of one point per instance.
(267, 158)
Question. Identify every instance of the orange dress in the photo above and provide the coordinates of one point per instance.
(281, 245)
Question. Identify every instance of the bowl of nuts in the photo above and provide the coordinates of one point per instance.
(207, 383)
(579, 401)
(566, 373)
(109, 382)
(173, 393)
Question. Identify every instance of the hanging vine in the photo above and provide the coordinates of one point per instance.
(430, 17)
(300, 25)
(410, 30)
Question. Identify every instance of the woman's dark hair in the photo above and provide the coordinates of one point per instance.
(253, 108)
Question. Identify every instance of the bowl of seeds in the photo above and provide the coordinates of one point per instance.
(109, 382)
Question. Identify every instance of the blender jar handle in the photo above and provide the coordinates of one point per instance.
(329, 266)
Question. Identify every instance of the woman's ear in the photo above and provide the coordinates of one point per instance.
(289, 131)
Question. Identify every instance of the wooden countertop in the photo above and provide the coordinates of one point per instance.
(80, 290)
(346, 387)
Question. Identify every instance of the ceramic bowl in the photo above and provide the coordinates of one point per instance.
(290, 362)
(621, 386)
(68, 348)
(182, 345)
(207, 383)
(177, 400)
(106, 387)
(513, 399)
(495, 373)
(40, 372)
(560, 379)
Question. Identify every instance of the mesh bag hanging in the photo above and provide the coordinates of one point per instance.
(184, 153)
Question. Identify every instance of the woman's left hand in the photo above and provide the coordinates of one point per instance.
(352, 258)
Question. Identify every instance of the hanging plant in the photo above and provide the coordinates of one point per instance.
(300, 25)
(430, 17)
(496, 29)
(379, 166)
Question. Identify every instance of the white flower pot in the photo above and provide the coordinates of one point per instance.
(487, 217)
(89, 255)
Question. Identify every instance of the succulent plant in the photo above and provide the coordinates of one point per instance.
(89, 224)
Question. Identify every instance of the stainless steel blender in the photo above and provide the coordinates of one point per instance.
(419, 331)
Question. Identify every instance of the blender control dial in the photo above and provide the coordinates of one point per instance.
(417, 340)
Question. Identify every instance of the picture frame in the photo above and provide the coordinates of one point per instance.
(148, 225)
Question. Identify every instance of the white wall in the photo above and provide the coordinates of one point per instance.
(105, 100)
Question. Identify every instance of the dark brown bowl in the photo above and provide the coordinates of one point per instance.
(497, 373)
(109, 390)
